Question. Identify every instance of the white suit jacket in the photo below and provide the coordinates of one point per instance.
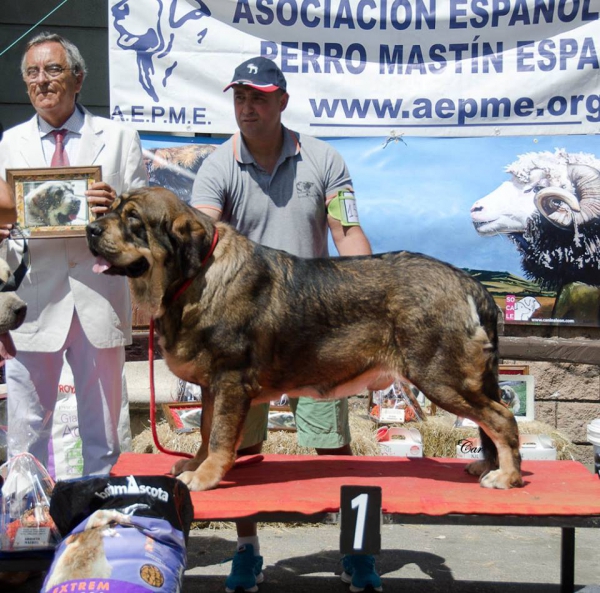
(61, 277)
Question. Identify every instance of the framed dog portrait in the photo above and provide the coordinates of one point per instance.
(51, 202)
(517, 394)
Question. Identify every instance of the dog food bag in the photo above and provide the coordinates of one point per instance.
(121, 534)
(25, 521)
(65, 457)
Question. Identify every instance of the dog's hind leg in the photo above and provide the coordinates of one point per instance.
(499, 437)
(499, 424)
(230, 408)
(501, 466)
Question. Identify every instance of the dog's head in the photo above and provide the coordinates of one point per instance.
(53, 203)
(509, 397)
(153, 238)
(12, 313)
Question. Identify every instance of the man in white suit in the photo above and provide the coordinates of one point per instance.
(72, 312)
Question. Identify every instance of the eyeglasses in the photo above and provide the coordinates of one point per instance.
(51, 71)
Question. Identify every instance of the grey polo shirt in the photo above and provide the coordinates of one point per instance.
(285, 209)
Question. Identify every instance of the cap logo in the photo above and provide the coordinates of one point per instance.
(259, 73)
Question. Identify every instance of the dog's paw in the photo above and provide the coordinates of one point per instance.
(478, 468)
(196, 482)
(185, 465)
(501, 480)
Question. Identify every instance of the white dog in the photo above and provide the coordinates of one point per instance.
(12, 313)
(509, 397)
(51, 204)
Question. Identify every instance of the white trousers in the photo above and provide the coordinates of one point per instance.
(32, 380)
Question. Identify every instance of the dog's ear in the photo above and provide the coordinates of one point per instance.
(193, 239)
(43, 199)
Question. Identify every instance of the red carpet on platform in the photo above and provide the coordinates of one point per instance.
(303, 486)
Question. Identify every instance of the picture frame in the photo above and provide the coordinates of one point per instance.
(183, 417)
(518, 395)
(51, 201)
(513, 369)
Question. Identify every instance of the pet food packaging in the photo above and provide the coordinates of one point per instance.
(533, 447)
(65, 457)
(25, 521)
(121, 534)
(400, 442)
(593, 436)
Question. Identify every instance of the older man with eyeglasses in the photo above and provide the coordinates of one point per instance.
(72, 312)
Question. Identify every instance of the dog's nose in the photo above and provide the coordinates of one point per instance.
(94, 229)
(20, 313)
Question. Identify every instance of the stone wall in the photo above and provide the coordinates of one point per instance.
(567, 397)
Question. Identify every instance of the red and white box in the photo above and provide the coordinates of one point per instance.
(400, 442)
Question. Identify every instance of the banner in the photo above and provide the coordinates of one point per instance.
(363, 67)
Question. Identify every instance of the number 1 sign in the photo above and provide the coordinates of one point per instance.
(361, 520)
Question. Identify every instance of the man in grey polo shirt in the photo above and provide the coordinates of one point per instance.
(283, 190)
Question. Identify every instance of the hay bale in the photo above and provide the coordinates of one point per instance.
(185, 442)
(439, 436)
(279, 441)
(564, 447)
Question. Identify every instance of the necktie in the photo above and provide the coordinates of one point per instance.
(60, 157)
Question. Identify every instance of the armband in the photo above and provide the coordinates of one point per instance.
(343, 208)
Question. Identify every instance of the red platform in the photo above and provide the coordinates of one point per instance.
(307, 488)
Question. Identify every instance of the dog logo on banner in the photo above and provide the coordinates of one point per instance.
(154, 43)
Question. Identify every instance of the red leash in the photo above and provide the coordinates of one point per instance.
(181, 290)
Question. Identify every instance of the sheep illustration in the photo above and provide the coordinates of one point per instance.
(550, 210)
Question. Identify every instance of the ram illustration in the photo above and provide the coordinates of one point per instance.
(550, 210)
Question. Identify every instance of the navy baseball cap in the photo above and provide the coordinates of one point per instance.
(261, 74)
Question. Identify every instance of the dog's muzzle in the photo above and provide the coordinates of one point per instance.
(13, 283)
(135, 269)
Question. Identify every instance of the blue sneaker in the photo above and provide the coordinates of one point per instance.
(359, 573)
(246, 571)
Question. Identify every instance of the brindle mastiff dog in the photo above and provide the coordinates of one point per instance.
(255, 323)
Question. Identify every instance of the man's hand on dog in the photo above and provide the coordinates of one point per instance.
(100, 197)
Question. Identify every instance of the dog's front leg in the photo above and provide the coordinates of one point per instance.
(230, 408)
(189, 465)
